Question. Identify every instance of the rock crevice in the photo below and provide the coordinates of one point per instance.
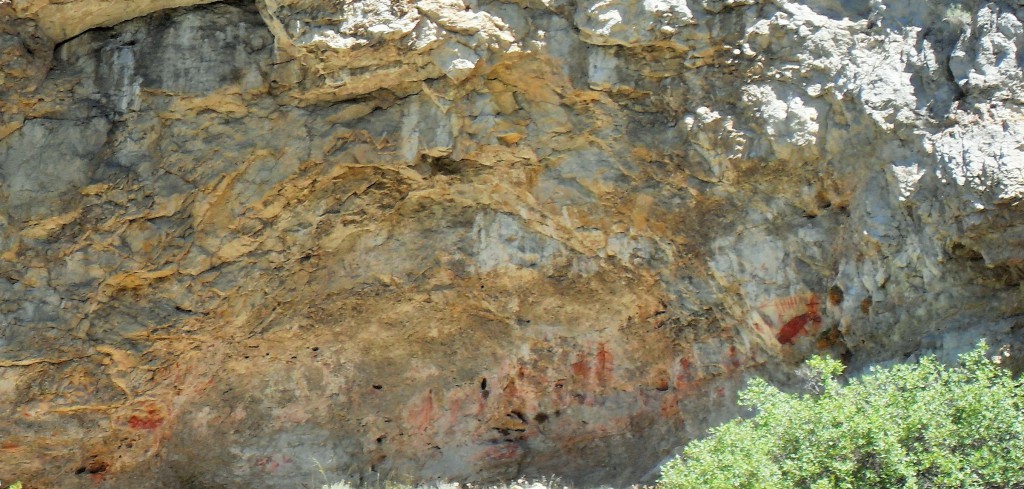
(252, 243)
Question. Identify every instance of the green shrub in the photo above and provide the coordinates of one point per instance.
(957, 16)
(921, 425)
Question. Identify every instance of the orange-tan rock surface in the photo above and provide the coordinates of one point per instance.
(280, 243)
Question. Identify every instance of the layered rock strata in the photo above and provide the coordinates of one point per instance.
(295, 241)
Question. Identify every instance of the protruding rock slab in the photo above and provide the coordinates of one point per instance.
(267, 243)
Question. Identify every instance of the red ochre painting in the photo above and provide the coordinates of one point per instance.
(788, 318)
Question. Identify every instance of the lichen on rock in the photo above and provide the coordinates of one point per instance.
(263, 243)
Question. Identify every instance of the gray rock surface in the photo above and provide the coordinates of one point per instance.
(268, 244)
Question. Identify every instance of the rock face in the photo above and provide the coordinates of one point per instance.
(273, 244)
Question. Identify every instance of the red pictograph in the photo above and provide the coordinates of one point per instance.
(798, 325)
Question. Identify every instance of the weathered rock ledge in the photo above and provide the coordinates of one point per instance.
(263, 243)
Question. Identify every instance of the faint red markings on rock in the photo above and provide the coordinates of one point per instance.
(511, 390)
(501, 452)
(459, 405)
(605, 363)
(581, 368)
(734, 359)
(421, 413)
(149, 421)
(583, 399)
(273, 463)
(798, 325)
(454, 408)
(794, 316)
(685, 375)
(720, 392)
(660, 381)
(560, 396)
(792, 329)
(669, 406)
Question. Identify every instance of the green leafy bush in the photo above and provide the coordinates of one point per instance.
(921, 425)
(957, 16)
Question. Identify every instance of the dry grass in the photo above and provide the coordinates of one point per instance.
(543, 483)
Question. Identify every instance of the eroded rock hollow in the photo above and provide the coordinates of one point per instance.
(283, 242)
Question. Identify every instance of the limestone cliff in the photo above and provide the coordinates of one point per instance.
(268, 244)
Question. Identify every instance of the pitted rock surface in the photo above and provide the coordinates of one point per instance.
(284, 242)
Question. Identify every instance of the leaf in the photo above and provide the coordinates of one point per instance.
(909, 426)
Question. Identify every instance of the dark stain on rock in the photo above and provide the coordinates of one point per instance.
(835, 295)
(519, 416)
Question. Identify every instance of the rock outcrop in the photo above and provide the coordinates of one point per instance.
(277, 243)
